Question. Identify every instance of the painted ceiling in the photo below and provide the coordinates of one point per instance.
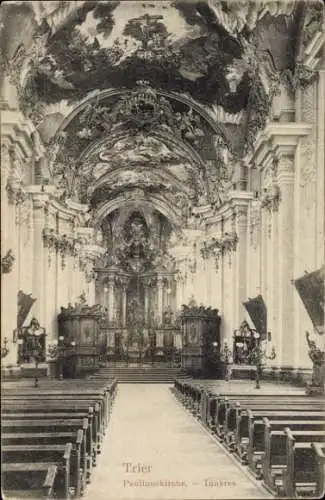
(152, 91)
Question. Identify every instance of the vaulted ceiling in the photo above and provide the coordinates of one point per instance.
(154, 99)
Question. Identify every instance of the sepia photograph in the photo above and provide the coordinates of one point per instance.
(162, 249)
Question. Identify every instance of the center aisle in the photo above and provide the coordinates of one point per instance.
(155, 450)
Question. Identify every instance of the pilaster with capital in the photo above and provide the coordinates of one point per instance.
(39, 265)
(241, 225)
(285, 177)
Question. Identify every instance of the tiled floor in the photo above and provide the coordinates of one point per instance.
(177, 458)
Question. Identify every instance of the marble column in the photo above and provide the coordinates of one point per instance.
(241, 263)
(160, 289)
(285, 178)
(38, 261)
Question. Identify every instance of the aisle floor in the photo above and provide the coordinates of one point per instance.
(154, 449)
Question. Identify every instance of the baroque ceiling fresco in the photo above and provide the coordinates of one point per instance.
(152, 101)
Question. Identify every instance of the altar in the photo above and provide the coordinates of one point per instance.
(136, 286)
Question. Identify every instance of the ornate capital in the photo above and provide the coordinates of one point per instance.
(285, 164)
(217, 247)
(15, 191)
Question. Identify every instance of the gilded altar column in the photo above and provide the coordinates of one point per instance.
(146, 303)
(160, 288)
(38, 257)
(285, 309)
(110, 283)
(124, 287)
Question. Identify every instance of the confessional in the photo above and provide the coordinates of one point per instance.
(81, 344)
(201, 332)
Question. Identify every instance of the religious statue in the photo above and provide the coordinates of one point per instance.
(33, 342)
(317, 357)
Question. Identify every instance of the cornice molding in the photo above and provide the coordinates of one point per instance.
(18, 129)
(277, 137)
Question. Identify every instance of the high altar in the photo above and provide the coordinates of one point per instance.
(136, 285)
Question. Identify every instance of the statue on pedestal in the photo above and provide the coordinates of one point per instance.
(33, 343)
(317, 357)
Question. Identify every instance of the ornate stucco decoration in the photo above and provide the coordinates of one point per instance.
(61, 243)
(255, 222)
(271, 198)
(218, 247)
(7, 262)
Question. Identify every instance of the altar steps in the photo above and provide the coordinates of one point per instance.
(141, 375)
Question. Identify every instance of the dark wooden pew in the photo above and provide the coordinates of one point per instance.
(229, 414)
(301, 475)
(274, 461)
(90, 398)
(78, 464)
(60, 410)
(36, 480)
(251, 431)
(57, 455)
(236, 416)
(53, 426)
(98, 420)
(319, 449)
(278, 422)
(222, 403)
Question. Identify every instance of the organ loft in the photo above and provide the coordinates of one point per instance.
(162, 248)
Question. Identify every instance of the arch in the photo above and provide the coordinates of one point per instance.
(153, 203)
(104, 94)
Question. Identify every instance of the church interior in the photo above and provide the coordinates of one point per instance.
(162, 244)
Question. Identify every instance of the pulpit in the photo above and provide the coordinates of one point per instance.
(79, 329)
(201, 329)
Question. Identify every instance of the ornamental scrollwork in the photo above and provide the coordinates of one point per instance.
(218, 247)
(7, 262)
